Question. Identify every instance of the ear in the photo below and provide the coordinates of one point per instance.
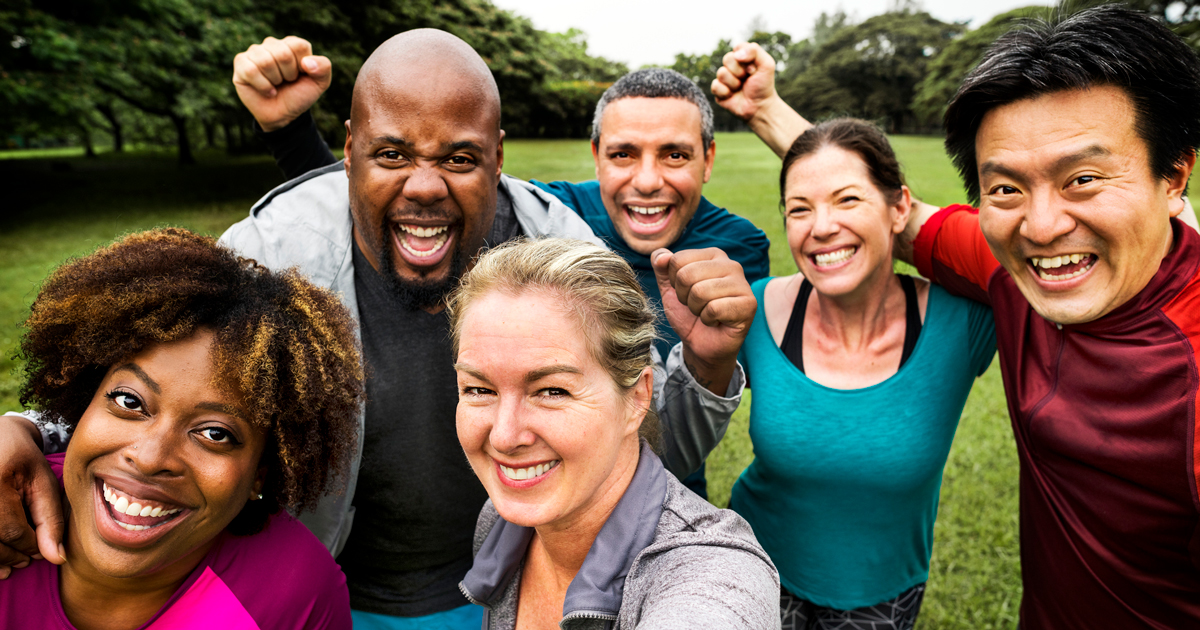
(596, 155)
(500, 155)
(640, 397)
(260, 478)
(349, 149)
(709, 156)
(1177, 184)
(901, 211)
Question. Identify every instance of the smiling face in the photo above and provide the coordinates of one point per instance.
(651, 164)
(423, 154)
(840, 227)
(545, 427)
(1068, 203)
(159, 464)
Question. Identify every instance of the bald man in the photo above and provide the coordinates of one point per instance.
(391, 229)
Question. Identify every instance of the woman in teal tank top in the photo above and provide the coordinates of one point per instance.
(859, 378)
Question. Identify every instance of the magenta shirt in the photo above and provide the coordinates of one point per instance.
(280, 579)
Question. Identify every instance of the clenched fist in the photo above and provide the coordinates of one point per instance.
(280, 79)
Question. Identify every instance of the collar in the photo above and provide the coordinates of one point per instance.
(598, 587)
(1176, 270)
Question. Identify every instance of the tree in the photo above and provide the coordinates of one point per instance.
(871, 69)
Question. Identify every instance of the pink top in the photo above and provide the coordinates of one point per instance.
(281, 578)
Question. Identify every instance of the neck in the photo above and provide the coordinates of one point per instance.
(861, 316)
(566, 545)
(128, 601)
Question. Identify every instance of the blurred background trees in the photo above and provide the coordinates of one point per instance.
(157, 72)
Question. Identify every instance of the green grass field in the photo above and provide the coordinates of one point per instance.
(60, 206)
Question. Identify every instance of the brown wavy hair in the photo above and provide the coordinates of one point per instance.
(284, 346)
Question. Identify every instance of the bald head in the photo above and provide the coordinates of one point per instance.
(428, 65)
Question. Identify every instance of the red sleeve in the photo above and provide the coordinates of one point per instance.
(951, 251)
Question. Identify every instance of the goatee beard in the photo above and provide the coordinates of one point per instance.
(418, 295)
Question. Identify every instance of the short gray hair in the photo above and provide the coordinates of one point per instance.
(657, 83)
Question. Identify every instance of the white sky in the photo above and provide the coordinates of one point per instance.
(640, 32)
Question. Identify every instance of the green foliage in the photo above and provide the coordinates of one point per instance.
(870, 70)
(947, 70)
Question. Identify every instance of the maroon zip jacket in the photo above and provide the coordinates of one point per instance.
(1104, 415)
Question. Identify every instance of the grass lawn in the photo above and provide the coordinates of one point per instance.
(59, 206)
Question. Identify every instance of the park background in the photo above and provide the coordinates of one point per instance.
(119, 116)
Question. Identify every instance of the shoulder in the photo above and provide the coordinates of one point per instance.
(541, 213)
(28, 598)
(283, 576)
(704, 567)
(303, 223)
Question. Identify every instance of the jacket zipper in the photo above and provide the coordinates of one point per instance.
(587, 615)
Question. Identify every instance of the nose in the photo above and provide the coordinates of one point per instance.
(425, 186)
(154, 450)
(1045, 219)
(647, 179)
(510, 430)
(825, 223)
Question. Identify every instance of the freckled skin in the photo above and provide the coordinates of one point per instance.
(580, 418)
(166, 441)
(650, 152)
(1066, 173)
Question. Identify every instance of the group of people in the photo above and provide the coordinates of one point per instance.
(487, 400)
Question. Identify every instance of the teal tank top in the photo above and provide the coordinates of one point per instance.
(843, 489)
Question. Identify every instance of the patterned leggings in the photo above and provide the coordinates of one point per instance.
(894, 614)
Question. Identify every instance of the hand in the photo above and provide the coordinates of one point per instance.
(746, 81)
(26, 481)
(280, 79)
(708, 302)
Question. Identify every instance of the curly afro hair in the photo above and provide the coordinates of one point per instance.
(282, 344)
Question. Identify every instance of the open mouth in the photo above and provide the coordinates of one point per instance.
(422, 245)
(648, 219)
(526, 476)
(833, 258)
(1064, 267)
(132, 520)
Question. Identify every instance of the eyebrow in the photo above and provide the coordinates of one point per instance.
(448, 148)
(138, 372)
(228, 410)
(835, 193)
(531, 377)
(991, 167)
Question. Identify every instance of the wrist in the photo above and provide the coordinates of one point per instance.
(25, 426)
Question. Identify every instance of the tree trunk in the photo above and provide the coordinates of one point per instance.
(86, 135)
(185, 147)
(114, 124)
(210, 134)
(227, 128)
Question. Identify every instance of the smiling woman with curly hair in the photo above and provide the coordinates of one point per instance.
(206, 394)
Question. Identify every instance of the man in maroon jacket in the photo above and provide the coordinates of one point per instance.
(1077, 139)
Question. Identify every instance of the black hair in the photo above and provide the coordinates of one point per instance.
(1106, 45)
(656, 83)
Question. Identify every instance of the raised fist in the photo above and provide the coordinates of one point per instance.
(745, 81)
(280, 79)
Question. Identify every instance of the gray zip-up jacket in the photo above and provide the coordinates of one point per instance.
(306, 223)
(665, 559)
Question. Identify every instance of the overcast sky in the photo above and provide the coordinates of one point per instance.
(640, 32)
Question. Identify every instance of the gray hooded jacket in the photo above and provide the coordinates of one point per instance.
(306, 223)
(665, 559)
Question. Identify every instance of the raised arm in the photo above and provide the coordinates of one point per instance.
(278, 81)
(27, 483)
(745, 85)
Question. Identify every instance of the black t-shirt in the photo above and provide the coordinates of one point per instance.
(417, 498)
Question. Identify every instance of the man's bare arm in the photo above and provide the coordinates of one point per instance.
(745, 85)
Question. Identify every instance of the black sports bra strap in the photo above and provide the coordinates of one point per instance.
(912, 317)
(793, 335)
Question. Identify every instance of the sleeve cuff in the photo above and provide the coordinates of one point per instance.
(733, 393)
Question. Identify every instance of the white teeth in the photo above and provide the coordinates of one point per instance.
(824, 260)
(1054, 262)
(122, 505)
(531, 472)
(650, 210)
(423, 232)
